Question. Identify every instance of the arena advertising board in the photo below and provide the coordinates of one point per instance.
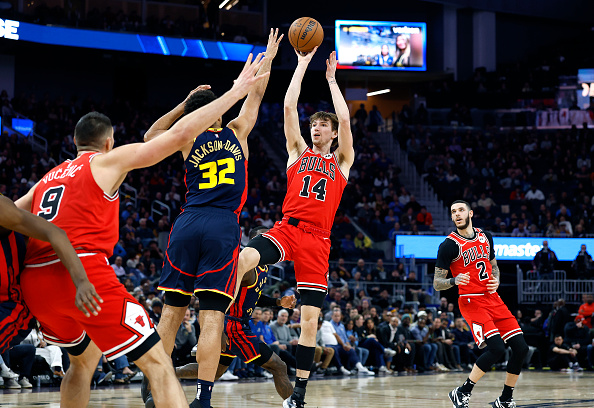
(506, 248)
(105, 40)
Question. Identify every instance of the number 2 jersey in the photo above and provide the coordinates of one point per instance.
(462, 255)
(216, 171)
(69, 198)
(314, 189)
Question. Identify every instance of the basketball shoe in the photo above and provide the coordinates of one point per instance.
(294, 401)
(459, 398)
(503, 404)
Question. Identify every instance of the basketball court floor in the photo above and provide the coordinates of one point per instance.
(535, 390)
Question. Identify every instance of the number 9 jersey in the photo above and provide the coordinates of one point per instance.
(216, 171)
(68, 197)
(463, 255)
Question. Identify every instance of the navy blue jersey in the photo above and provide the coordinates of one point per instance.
(248, 296)
(216, 172)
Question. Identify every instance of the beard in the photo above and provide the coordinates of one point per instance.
(465, 225)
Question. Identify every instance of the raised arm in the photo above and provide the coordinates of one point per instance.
(109, 168)
(295, 142)
(345, 151)
(164, 122)
(28, 224)
(244, 123)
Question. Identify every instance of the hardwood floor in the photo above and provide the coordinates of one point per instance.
(534, 390)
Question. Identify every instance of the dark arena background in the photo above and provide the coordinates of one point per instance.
(492, 103)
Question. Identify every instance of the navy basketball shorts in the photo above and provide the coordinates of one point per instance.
(243, 343)
(202, 253)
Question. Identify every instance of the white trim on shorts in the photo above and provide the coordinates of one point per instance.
(39, 265)
(61, 343)
(511, 334)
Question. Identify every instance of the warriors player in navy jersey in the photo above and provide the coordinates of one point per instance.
(201, 256)
(15, 317)
(240, 340)
(469, 254)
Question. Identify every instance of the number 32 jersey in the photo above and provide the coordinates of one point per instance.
(314, 189)
(463, 255)
(69, 198)
(216, 171)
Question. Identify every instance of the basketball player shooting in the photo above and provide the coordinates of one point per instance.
(316, 178)
(469, 254)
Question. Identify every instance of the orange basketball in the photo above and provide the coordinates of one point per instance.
(305, 34)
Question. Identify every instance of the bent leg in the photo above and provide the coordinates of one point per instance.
(278, 369)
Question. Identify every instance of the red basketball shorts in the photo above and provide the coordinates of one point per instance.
(122, 325)
(308, 250)
(488, 316)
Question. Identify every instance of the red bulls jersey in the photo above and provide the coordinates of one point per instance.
(314, 189)
(69, 198)
(462, 255)
(11, 260)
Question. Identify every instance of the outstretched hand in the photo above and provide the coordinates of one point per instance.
(273, 42)
(305, 57)
(331, 66)
(248, 78)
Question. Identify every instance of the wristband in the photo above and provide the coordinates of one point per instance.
(453, 281)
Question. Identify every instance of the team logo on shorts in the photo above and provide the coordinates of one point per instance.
(136, 319)
(477, 329)
(482, 239)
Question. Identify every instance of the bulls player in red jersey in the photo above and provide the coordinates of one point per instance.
(81, 197)
(316, 178)
(15, 317)
(469, 254)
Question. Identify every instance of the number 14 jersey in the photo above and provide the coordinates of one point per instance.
(314, 189)
(463, 255)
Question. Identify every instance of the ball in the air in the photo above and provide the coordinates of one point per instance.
(305, 34)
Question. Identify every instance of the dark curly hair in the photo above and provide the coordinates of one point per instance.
(198, 100)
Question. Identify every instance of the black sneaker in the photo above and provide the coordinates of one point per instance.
(503, 404)
(293, 402)
(144, 391)
(195, 404)
(459, 398)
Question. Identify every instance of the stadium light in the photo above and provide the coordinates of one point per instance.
(383, 91)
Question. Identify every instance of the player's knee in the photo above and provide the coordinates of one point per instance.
(275, 365)
(519, 346)
(496, 348)
(248, 260)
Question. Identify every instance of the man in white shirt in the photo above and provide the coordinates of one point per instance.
(118, 268)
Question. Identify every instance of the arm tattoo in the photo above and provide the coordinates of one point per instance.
(440, 281)
(495, 272)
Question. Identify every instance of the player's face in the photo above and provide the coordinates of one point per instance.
(461, 216)
(321, 132)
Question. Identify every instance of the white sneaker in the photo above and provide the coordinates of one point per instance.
(384, 369)
(345, 371)
(442, 368)
(228, 376)
(389, 352)
(267, 374)
(24, 383)
(194, 350)
(1, 381)
(8, 373)
(12, 384)
(365, 371)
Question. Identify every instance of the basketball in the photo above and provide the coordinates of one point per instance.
(305, 34)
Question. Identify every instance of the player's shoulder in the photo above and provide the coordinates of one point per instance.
(449, 243)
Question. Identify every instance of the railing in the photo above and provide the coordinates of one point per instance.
(533, 290)
(127, 190)
(398, 291)
(160, 208)
(66, 155)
